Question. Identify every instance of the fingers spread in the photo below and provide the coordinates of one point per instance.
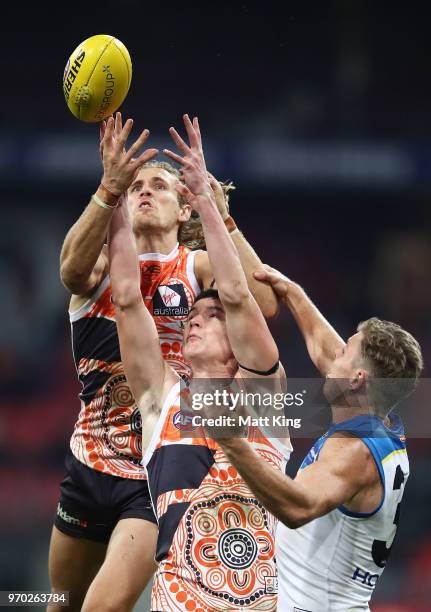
(118, 124)
(179, 141)
(109, 129)
(184, 191)
(144, 157)
(136, 145)
(173, 156)
(102, 130)
(124, 134)
(191, 133)
(197, 130)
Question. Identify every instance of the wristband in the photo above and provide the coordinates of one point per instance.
(101, 203)
(108, 195)
(230, 224)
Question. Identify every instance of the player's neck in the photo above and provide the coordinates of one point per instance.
(342, 413)
(156, 242)
(202, 370)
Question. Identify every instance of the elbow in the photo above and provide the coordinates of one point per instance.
(234, 294)
(126, 294)
(72, 280)
(294, 519)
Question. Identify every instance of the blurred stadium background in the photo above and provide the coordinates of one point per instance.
(319, 112)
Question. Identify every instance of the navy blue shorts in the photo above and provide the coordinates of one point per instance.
(91, 503)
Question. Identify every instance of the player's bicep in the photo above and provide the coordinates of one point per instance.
(83, 285)
(140, 348)
(249, 336)
(335, 477)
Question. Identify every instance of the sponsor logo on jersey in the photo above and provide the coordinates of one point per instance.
(170, 301)
(183, 422)
(366, 578)
(149, 271)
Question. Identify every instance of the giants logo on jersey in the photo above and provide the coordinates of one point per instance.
(170, 301)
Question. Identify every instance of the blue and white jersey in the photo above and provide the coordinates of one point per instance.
(332, 564)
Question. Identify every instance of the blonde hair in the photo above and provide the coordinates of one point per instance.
(190, 233)
(395, 359)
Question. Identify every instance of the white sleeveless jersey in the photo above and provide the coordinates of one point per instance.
(332, 564)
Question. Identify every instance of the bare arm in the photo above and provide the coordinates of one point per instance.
(320, 337)
(139, 341)
(249, 336)
(83, 263)
(344, 469)
(262, 292)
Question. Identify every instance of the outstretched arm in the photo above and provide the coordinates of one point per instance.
(345, 469)
(139, 341)
(249, 336)
(250, 261)
(83, 261)
(321, 338)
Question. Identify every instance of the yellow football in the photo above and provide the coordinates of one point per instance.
(97, 78)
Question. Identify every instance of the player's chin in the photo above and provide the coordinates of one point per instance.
(143, 225)
(191, 347)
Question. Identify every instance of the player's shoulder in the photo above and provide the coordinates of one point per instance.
(347, 451)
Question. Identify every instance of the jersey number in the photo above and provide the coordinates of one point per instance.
(380, 552)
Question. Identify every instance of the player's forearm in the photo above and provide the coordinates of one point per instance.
(123, 261)
(83, 244)
(321, 338)
(223, 256)
(262, 292)
(283, 497)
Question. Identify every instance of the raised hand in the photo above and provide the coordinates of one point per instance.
(197, 183)
(117, 131)
(120, 166)
(280, 283)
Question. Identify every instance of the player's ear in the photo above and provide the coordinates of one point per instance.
(184, 213)
(358, 379)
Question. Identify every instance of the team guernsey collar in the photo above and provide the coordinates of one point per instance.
(159, 256)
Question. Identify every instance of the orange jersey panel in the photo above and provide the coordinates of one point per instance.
(216, 540)
(107, 434)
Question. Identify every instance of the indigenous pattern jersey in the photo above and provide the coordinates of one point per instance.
(107, 435)
(332, 564)
(216, 545)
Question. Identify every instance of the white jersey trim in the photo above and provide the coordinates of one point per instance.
(190, 271)
(284, 449)
(159, 256)
(74, 315)
(172, 394)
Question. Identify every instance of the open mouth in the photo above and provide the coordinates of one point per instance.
(145, 204)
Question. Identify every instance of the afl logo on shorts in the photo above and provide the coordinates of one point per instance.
(183, 422)
(170, 301)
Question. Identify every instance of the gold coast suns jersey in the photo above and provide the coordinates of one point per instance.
(107, 435)
(215, 546)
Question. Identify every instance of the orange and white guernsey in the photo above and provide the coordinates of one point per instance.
(107, 435)
(215, 546)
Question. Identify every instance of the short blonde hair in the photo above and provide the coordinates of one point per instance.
(190, 233)
(395, 360)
